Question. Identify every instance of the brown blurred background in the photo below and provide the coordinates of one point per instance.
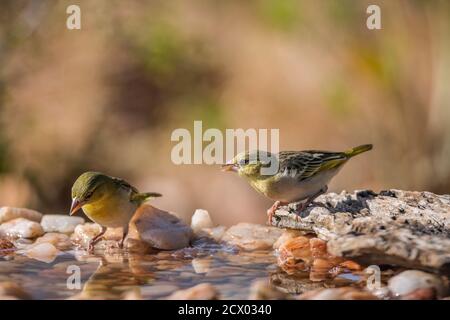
(107, 97)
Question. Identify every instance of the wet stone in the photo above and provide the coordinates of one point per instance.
(344, 293)
(263, 290)
(203, 291)
(60, 223)
(59, 240)
(417, 285)
(11, 290)
(159, 229)
(405, 228)
(21, 228)
(249, 236)
(45, 252)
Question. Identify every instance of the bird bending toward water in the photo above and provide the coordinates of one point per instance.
(301, 175)
(108, 201)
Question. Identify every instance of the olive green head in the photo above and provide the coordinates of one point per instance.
(89, 187)
(248, 163)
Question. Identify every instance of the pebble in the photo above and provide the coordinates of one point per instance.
(201, 265)
(159, 290)
(59, 240)
(215, 233)
(21, 228)
(262, 290)
(6, 247)
(160, 229)
(11, 290)
(250, 236)
(133, 294)
(417, 285)
(45, 252)
(83, 233)
(11, 213)
(343, 293)
(201, 220)
(203, 291)
(60, 223)
(287, 235)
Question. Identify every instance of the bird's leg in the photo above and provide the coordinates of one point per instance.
(124, 235)
(96, 239)
(272, 210)
(310, 200)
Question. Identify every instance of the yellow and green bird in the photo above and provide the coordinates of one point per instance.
(301, 175)
(108, 201)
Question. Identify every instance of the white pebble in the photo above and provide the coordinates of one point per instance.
(60, 223)
(21, 228)
(45, 252)
(200, 220)
(411, 280)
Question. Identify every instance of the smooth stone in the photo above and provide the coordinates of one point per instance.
(21, 228)
(45, 252)
(84, 233)
(215, 233)
(343, 293)
(252, 236)
(201, 265)
(287, 235)
(11, 290)
(160, 229)
(11, 213)
(60, 223)
(261, 289)
(200, 220)
(132, 294)
(409, 281)
(203, 291)
(60, 240)
(156, 289)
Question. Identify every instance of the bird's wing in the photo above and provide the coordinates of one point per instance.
(123, 184)
(305, 164)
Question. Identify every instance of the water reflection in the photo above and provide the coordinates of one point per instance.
(118, 275)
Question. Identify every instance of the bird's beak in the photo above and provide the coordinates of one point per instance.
(76, 205)
(230, 166)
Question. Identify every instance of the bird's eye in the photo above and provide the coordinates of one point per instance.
(243, 162)
(88, 195)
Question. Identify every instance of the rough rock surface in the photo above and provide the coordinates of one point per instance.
(406, 228)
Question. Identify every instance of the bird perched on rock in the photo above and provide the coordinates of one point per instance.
(108, 201)
(301, 175)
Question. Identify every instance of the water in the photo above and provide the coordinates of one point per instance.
(114, 274)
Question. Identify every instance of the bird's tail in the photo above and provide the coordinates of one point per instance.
(142, 197)
(357, 150)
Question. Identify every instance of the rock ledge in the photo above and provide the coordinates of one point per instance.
(405, 228)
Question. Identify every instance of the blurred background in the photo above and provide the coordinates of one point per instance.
(107, 97)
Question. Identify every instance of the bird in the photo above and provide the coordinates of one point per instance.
(301, 175)
(108, 201)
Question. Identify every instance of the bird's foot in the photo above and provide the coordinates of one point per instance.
(272, 210)
(301, 208)
(91, 246)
